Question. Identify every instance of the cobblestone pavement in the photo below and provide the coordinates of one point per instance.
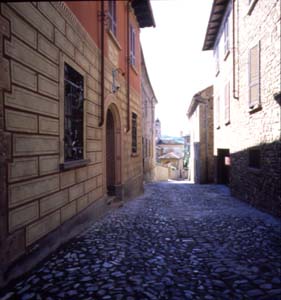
(177, 241)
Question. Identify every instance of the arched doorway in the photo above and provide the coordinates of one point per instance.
(113, 151)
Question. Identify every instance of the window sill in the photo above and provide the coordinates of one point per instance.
(74, 164)
(217, 73)
(135, 155)
(134, 69)
(226, 55)
(252, 6)
(114, 39)
(255, 108)
(218, 127)
(227, 123)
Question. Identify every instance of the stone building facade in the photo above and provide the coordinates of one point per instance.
(70, 120)
(245, 38)
(148, 120)
(200, 115)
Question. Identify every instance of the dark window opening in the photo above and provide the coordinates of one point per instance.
(134, 133)
(73, 114)
(112, 16)
(255, 158)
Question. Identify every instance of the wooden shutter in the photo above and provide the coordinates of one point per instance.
(227, 103)
(254, 76)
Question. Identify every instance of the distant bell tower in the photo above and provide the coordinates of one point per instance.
(157, 130)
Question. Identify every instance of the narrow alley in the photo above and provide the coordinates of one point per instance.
(177, 241)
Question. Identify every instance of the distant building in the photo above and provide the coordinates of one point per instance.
(245, 38)
(200, 115)
(157, 130)
(148, 129)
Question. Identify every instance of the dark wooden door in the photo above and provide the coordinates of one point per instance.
(110, 153)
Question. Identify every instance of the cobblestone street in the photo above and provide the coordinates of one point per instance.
(177, 241)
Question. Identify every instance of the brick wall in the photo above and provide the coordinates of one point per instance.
(38, 201)
(248, 128)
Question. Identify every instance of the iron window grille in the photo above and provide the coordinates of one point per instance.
(134, 133)
(112, 16)
(73, 114)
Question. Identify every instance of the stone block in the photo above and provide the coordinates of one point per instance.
(67, 179)
(4, 26)
(62, 42)
(91, 156)
(20, 28)
(5, 72)
(40, 228)
(99, 180)
(98, 157)
(48, 87)
(48, 125)
(81, 174)
(23, 76)
(22, 168)
(23, 215)
(91, 133)
(53, 202)
(26, 100)
(81, 61)
(94, 146)
(23, 53)
(51, 13)
(33, 16)
(95, 195)
(34, 144)
(20, 121)
(90, 107)
(48, 49)
(92, 96)
(20, 193)
(48, 164)
(90, 184)
(94, 170)
(90, 55)
(14, 245)
(76, 191)
(68, 211)
(82, 203)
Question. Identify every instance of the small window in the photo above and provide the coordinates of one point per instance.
(73, 114)
(112, 16)
(134, 133)
(254, 76)
(255, 158)
(217, 112)
(226, 37)
(227, 103)
(132, 46)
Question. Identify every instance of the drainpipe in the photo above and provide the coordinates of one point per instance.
(102, 63)
(234, 54)
(128, 66)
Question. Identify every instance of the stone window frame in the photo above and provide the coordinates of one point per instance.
(226, 38)
(132, 31)
(227, 103)
(217, 59)
(67, 165)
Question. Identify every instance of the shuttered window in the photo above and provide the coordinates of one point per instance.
(112, 16)
(226, 37)
(134, 133)
(254, 76)
(227, 103)
(217, 112)
(217, 59)
(132, 46)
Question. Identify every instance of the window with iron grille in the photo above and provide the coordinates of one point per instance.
(134, 133)
(255, 158)
(132, 46)
(254, 76)
(73, 114)
(112, 16)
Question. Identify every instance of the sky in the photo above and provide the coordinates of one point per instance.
(176, 64)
